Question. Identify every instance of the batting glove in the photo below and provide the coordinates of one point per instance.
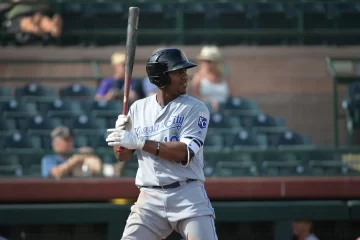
(125, 139)
(123, 122)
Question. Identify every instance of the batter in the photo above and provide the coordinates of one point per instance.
(167, 131)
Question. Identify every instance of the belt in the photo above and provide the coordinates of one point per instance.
(171, 185)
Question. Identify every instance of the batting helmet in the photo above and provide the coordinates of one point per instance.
(164, 61)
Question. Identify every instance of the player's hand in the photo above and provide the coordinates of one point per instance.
(123, 122)
(125, 139)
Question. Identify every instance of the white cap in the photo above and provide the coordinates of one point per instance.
(117, 57)
(210, 53)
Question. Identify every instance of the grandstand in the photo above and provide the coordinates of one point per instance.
(283, 147)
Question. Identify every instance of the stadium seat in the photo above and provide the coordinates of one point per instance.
(265, 123)
(130, 167)
(282, 168)
(81, 140)
(41, 123)
(104, 108)
(214, 140)
(5, 94)
(18, 111)
(98, 140)
(33, 91)
(87, 123)
(246, 138)
(330, 168)
(20, 140)
(62, 107)
(291, 138)
(42, 137)
(220, 120)
(244, 108)
(15, 107)
(77, 91)
(7, 125)
(235, 169)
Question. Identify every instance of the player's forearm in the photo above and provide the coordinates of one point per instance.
(122, 156)
(171, 151)
(66, 167)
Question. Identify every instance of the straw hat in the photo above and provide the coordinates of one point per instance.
(117, 58)
(210, 53)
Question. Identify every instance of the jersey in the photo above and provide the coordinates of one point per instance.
(185, 116)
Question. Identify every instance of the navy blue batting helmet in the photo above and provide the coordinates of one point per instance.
(163, 61)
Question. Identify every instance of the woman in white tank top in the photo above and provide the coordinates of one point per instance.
(209, 83)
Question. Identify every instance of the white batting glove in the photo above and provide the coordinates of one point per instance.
(125, 139)
(123, 122)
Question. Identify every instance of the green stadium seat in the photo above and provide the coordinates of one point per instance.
(235, 169)
(104, 108)
(98, 141)
(214, 140)
(282, 168)
(77, 91)
(130, 167)
(41, 123)
(42, 137)
(88, 124)
(10, 171)
(5, 93)
(291, 138)
(60, 107)
(7, 125)
(18, 108)
(31, 165)
(265, 123)
(247, 138)
(81, 140)
(220, 120)
(34, 92)
(20, 140)
(330, 168)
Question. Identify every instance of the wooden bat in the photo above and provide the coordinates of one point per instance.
(131, 39)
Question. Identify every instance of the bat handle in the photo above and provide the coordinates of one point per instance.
(120, 149)
(124, 111)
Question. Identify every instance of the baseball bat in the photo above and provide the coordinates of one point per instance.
(131, 39)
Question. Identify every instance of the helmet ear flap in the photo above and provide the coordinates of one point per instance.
(160, 81)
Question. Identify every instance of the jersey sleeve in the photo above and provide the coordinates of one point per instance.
(196, 123)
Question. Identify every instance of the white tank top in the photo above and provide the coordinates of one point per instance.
(214, 91)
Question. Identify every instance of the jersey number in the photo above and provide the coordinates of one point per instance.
(173, 138)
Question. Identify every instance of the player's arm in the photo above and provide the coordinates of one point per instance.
(124, 155)
(171, 151)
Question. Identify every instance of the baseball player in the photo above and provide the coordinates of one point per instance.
(167, 130)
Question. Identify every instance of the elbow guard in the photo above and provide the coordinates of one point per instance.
(193, 147)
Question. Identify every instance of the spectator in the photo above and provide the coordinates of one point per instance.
(149, 88)
(26, 20)
(63, 163)
(111, 88)
(209, 83)
(302, 230)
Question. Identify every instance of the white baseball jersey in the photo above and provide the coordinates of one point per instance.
(185, 116)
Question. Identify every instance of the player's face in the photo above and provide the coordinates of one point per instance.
(179, 80)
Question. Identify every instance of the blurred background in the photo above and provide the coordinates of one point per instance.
(280, 78)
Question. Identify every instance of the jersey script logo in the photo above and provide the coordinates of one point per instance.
(174, 121)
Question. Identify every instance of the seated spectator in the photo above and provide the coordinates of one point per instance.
(149, 88)
(302, 230)
(112, 87)
(209, 83)
(63, 163)
(32, 20)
